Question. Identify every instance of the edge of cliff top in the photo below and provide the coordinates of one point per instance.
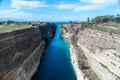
(6, 27)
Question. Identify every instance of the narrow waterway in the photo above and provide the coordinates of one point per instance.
(56, 63)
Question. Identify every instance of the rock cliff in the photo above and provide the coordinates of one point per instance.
(95, 54)
(21, 50)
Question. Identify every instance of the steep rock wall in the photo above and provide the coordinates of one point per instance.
(20, 51)
(95, 53)
(79, 60)
(105, 51)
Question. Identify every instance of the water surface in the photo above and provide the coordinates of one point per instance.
(55, 63)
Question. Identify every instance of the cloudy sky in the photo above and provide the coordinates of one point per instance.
(56, 10)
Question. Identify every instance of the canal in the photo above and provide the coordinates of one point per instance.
(56, 63)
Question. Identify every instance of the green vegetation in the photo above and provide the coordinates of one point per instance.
(103, 65)
(88, 22)
(106, 29)
(113, 63)
(82, 61)
(107, 23)
(91, 74)
(83, 26)
(106, 18)
(117, 55)
(12, 27)
(74, 40)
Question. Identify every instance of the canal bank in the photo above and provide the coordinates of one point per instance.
(56, 63)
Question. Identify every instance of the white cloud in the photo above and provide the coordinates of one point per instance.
(117, 10)
(88, 5)
(44, 17)
(100, 2)
(15, 14)
(67, 6)
(77, 7)
(27, 4)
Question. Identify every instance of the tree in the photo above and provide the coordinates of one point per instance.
(88, 20)
(70, 21)
(117, 18)
(105, 19)
(117, 15)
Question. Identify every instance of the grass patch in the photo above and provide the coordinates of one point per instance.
(106, 29)
(12, 27)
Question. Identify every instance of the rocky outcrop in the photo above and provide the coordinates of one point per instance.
(105, 51)
(20, 51)
(95, 53)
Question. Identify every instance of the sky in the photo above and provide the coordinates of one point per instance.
(56, 10)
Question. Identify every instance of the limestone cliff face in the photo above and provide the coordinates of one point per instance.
(96, 53)
(20, 51)
(104, 49)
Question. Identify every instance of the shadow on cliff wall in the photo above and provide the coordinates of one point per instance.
(17, 46)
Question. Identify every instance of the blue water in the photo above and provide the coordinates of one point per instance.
(56, 63)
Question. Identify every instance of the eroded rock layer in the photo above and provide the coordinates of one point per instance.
(20, 51)
(95, 53)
